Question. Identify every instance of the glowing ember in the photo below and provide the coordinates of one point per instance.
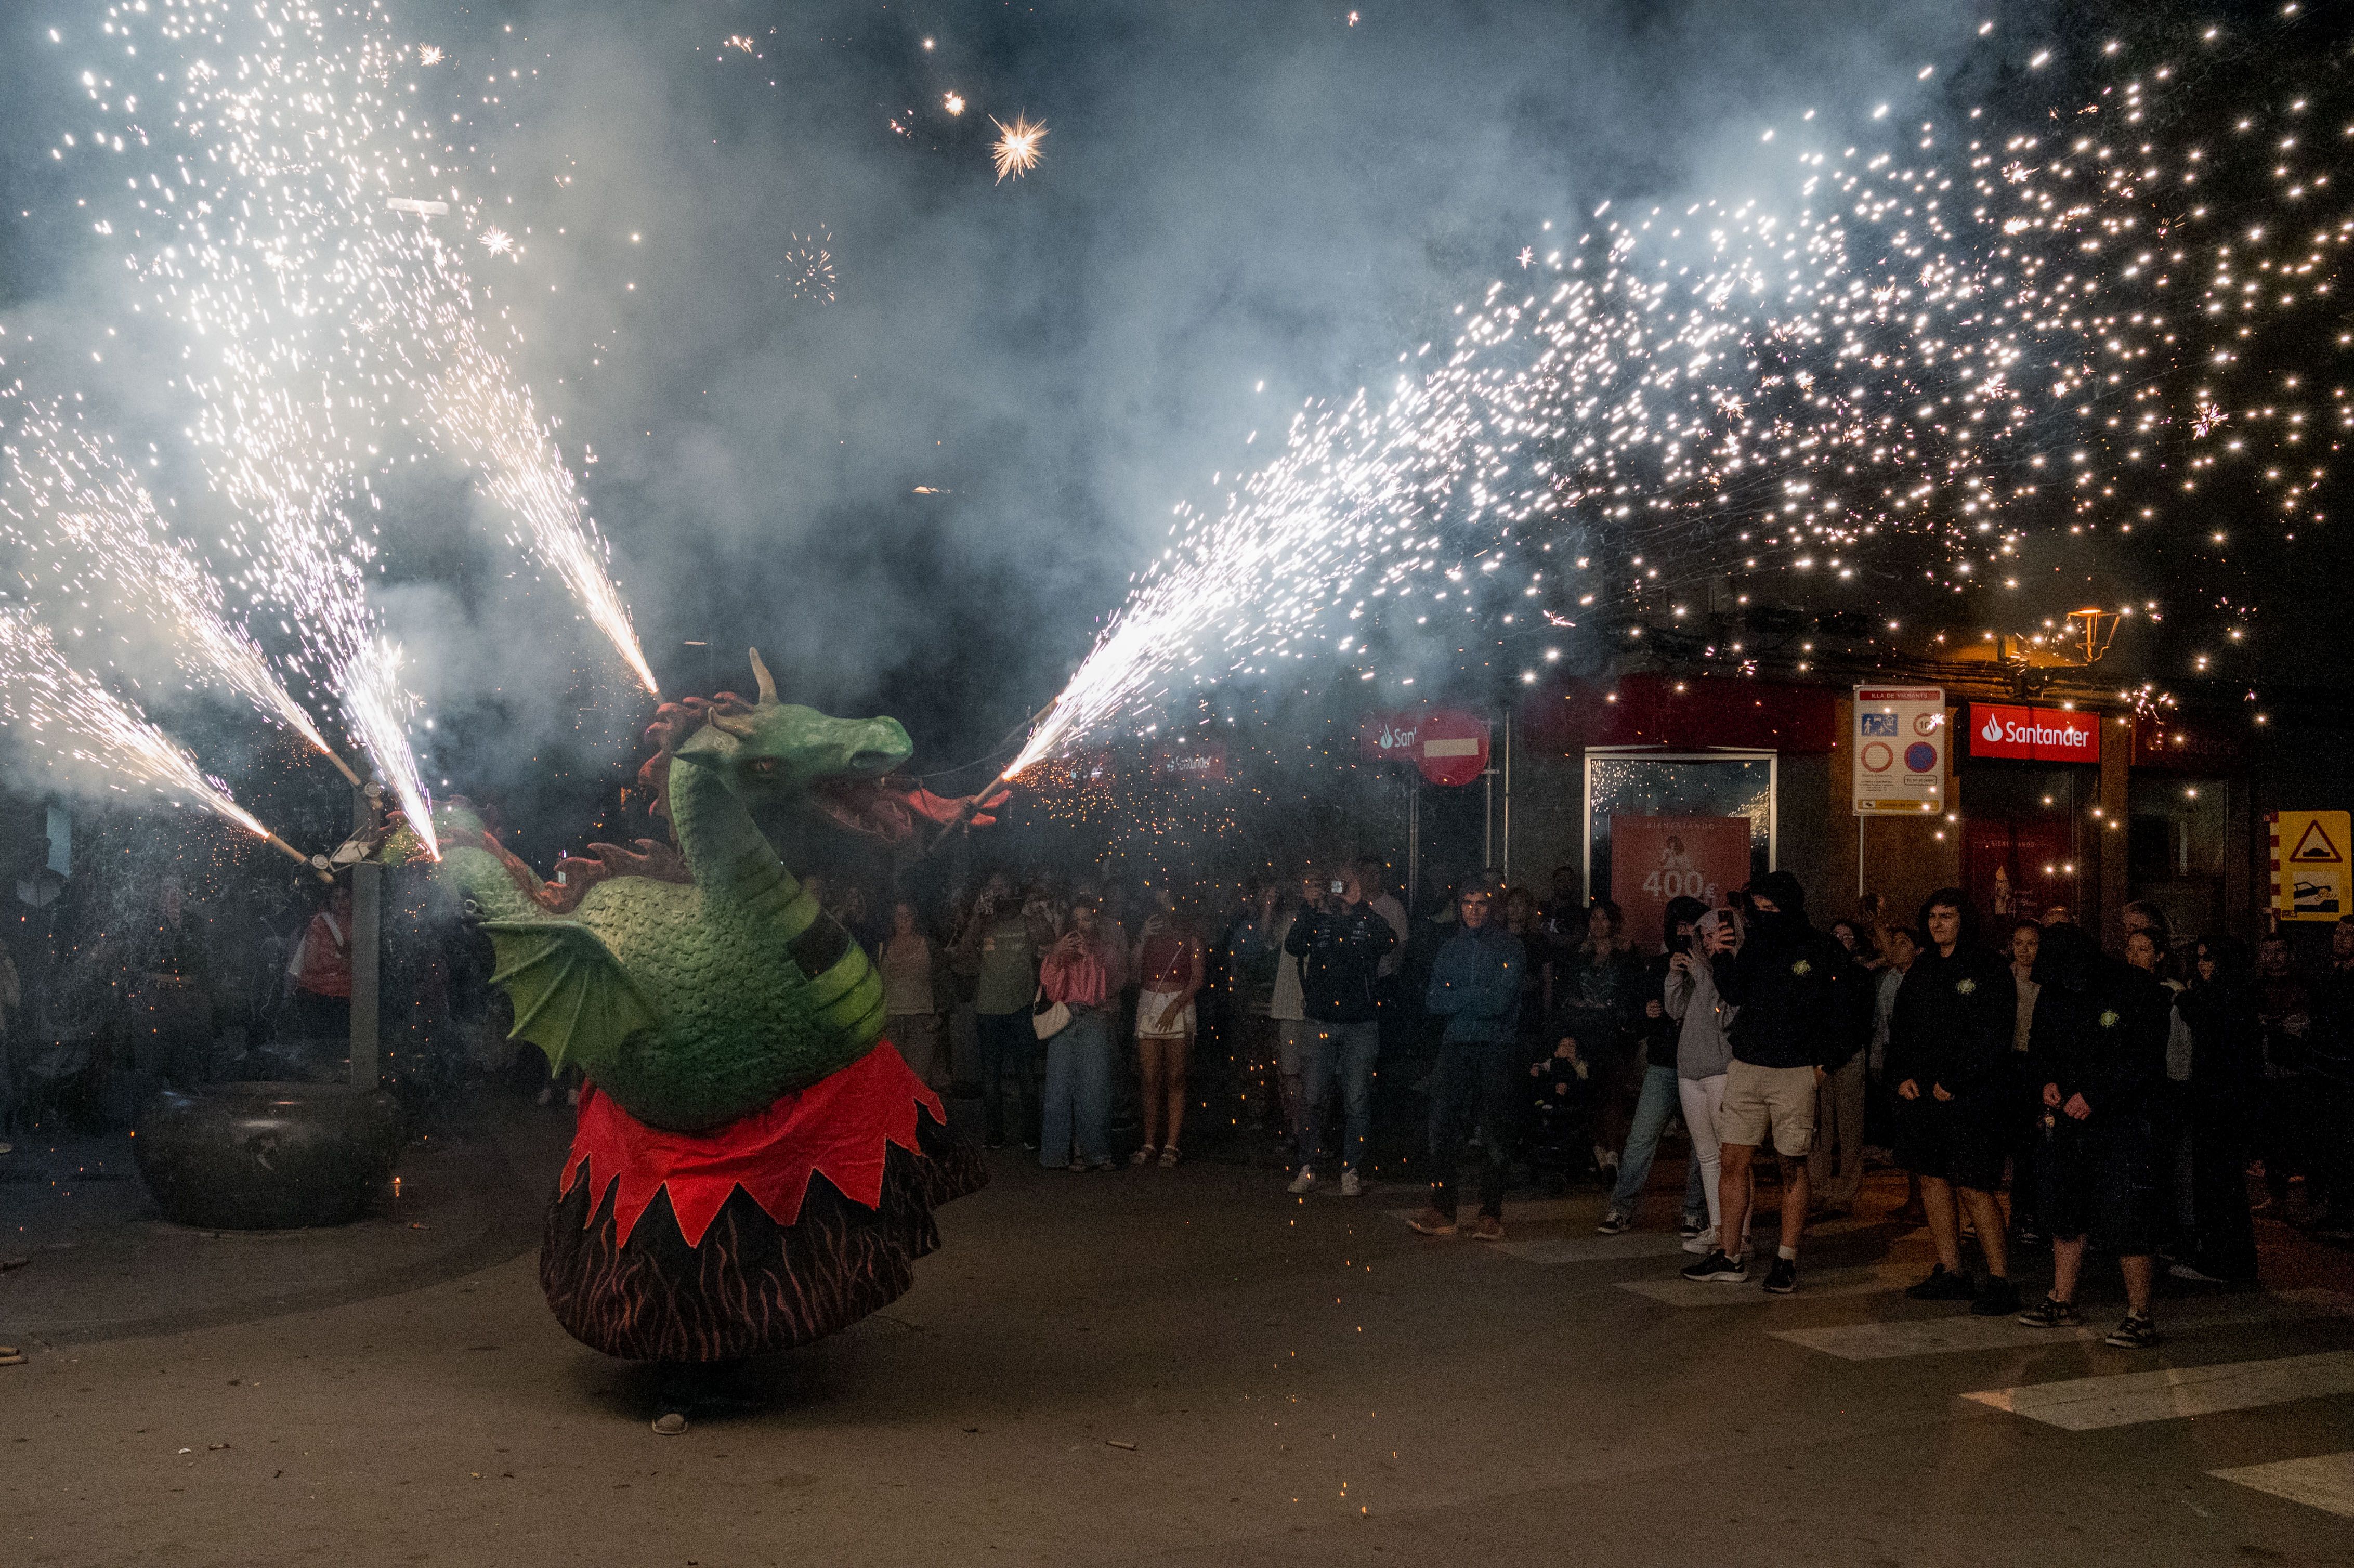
(809, 267)
(1016, 152)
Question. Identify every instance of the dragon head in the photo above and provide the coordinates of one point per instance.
(776, 753)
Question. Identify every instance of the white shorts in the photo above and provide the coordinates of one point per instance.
(1148, 1006)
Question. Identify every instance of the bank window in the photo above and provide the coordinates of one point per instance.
(1680, 785)
(2175, 834)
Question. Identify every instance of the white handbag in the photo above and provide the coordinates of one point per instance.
(1048, 1019)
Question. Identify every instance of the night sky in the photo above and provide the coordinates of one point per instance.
(922, 483)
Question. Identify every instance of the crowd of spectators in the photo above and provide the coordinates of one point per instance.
(2035, 1090)
(2038, 1086)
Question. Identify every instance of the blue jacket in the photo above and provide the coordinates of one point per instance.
(1474, 985)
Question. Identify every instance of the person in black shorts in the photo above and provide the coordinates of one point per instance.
(2098, 1046)
(1949, 1041)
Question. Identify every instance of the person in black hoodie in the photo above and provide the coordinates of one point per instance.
(1950, 1049)
(1339, 942)
(2098, 1046)
(1800, 998)
(2226, 1070)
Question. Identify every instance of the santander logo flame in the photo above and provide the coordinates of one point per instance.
(1993, 730)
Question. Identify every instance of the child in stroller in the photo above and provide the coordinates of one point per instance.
(1563, 1110)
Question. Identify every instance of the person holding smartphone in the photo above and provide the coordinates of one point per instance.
(1339, 942)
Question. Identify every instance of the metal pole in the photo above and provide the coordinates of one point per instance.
(367, 910)
(1507, 797)
(1413, 843)
(1488, 823)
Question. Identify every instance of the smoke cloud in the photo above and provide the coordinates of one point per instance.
(923, 495)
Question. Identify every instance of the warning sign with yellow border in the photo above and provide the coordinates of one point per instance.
(2309, 865)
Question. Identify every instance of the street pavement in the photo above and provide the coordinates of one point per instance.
(1182, 1367)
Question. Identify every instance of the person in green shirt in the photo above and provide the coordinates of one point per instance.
(1000, 949)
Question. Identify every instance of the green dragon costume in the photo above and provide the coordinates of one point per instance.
(755, 1167)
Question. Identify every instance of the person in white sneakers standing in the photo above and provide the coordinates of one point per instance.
(1703, 1053)
(1339, 941)
(1803, 1001)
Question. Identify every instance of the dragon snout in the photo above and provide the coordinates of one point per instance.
(875, 748)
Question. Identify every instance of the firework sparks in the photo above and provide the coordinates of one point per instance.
(1016, 152)
(953, 102)
(71, 716)
(428, 53)
(321, 319)
(379, 710)
(1859, 370)
(809, 267)
(481, 410)
(82, 507)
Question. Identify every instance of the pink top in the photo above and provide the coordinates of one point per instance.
(1086, 980)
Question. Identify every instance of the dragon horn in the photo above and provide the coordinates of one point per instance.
(768, 681)
(741, 727)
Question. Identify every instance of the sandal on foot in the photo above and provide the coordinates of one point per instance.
(1170, 1157)
(1143, 1155)
(669, 1423)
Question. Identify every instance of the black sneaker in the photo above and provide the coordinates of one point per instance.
(1690, 1227)
(1783, 1277)
(1998, 1298)
(1942, 1285)
(1718, 1270)
(2050, 1314)
(2134, 1334)
(1614, 1223)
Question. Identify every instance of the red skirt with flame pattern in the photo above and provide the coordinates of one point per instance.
(779, 1228)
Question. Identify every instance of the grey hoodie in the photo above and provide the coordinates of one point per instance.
(1703, 1043)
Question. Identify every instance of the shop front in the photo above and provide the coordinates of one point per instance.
(2189, 833)
(2029, 797)
(1654, 787)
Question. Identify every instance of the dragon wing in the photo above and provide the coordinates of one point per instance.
(571, 996)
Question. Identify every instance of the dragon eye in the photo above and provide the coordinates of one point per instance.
(762, 765)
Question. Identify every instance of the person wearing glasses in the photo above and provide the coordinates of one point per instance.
(1475, 986)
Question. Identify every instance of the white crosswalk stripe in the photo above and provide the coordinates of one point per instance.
(1947, 1336)
(2324, 1481)
(2090, 1403)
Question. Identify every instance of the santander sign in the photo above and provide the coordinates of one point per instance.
(2033, 734)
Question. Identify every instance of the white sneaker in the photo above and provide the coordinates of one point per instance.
(1703, 1244)
(1303, 1182)
(1350, 1185)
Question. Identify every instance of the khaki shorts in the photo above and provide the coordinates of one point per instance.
(1759, 1101)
